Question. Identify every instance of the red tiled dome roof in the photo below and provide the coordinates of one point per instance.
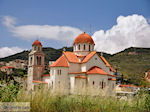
(37, 43)
(84, 38)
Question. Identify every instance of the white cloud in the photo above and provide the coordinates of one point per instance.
(6, 51)
(133, 30)
(40, 31)
(130, 31)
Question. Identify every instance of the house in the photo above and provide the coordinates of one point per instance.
(147, 76)
(7, 69)
(77, 72)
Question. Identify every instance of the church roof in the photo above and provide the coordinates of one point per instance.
(88, 57)
(71, 57)
(96, 70)
(83, 38)
(81, 76)
(37, 42)
(61, 62)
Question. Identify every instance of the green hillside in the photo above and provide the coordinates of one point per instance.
(131, 62)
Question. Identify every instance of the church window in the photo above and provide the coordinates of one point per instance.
(79, 47)
(84, 47)
(93, 82)
(89, 48)
(102, 84)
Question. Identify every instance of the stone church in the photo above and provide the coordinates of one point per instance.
(77, 72)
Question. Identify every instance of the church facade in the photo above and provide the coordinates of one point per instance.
(82, 71)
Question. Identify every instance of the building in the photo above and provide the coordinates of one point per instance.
(147, 75)
(7, 69)
(18, 64)
(77, 72)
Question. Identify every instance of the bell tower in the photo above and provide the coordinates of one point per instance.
(35, 64)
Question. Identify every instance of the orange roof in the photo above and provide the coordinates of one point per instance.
(37, 43)
(107, 64)
(96, 70)
(105, 61)
(60, 62)
(34, 81)
(7, 67)
(45, 75)
(111, 79)
(88, 57)
(83, 38)
(81, 76)
(71, 57)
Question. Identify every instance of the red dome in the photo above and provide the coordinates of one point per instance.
(84, 38)
(37, 43)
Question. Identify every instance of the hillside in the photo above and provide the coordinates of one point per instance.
(131, 62)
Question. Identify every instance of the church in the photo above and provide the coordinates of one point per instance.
(82, 71)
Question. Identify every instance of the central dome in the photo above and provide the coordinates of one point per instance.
(37, 43)
(83, 38)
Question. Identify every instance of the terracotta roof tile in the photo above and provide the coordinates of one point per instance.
(60, 62)
(111, 79)
(83, 38)
(36, 42)
(7, 67)
(71, 57)
(96, 70)
(88, 57)
(81, 76)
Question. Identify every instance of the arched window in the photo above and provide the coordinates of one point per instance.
(37, 60)
(89, 48)
(79, 47)
(84, 47)
(40, 60)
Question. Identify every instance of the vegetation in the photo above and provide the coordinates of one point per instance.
(44, 101)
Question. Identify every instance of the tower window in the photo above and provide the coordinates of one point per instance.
(79, 47)
(89, 48)
(84, 47)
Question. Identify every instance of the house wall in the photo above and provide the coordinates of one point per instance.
(59, 81)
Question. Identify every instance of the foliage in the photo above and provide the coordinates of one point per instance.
(8, 92)
(45, 101)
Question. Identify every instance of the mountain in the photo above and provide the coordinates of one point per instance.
(132, 62)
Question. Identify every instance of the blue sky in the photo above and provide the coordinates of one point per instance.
(80, 14)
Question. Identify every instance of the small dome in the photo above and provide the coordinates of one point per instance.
(37, 43)
(83, 38)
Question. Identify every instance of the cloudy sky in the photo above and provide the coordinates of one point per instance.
(113, 24)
